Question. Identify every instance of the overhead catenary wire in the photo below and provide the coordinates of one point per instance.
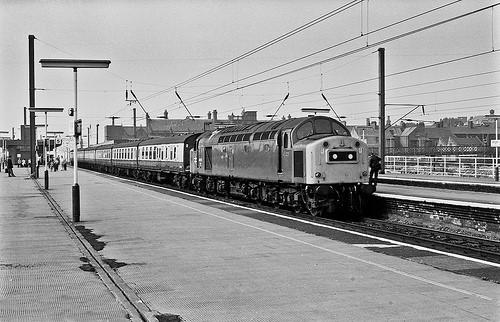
(264, 46)
(359, 49)
(322, 50)
(364, 80)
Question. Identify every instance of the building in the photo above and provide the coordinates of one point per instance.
(164, 126)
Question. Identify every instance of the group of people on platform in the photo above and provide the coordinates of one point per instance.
(53, 164)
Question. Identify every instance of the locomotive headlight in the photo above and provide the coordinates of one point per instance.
(317, 174)
(335, 156)
(350, 156)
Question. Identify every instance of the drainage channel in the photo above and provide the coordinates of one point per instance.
(137, 310)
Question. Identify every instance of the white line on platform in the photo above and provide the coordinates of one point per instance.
(390, 269)
(441, 201)
(441, 181)
(376, 245)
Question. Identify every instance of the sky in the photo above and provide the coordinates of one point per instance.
(157, 46)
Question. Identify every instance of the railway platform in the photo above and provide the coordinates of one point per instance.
(177, 255)
(442, 182)
(43, 272)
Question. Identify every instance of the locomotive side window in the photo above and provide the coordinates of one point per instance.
(208, 158)
(285, 140)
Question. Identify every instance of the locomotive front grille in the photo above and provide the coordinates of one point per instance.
(342, 156)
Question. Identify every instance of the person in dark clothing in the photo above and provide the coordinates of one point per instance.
(375, 167)
(10, 167)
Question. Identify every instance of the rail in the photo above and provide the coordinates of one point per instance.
(457, 166)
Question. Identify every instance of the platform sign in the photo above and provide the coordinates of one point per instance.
(495, 143)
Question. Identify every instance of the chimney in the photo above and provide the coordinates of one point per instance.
(209, 115)
(471, 124)
(374, 124)
(214, 115)
(165, 114)
(367, 121)
(388, 122)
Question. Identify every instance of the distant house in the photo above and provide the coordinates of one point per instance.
(472, 141)
(456, 141)
(370, 135)
(423, 137)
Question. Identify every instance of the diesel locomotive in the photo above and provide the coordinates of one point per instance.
(309, 162)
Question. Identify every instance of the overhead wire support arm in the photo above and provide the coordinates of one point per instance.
(133, 94)
(322, 95)
(402, 117)
(182, 102)
(282, 103)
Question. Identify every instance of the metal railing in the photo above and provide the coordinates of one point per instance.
(458, 166)
(483, 151)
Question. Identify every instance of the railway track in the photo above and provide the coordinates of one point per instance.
(475, 247)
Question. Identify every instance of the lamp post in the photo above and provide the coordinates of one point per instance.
(46, 110)
(75, 64)
(4, 152)
(495, 143)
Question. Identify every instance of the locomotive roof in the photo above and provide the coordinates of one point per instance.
(268, 125)
(168, 139)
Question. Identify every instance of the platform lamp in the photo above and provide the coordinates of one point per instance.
(75, 64)
(495, 143)
(4, 145)
(46, 110)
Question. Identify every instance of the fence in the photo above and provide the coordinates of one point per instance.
(461, 166)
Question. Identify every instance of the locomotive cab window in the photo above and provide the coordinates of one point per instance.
(304, 131)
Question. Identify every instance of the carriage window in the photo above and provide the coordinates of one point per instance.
(246, 137)
(154, 153)
(285, 140)
(265, 136)
(175, 152)
(239, 138)
(305, 130)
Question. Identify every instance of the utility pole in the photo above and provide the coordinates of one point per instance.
(135, 126)
(97, 134)
(31, 49)
(381, 70)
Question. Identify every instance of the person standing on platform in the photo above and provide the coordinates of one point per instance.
(375, 167)
(10, 167)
